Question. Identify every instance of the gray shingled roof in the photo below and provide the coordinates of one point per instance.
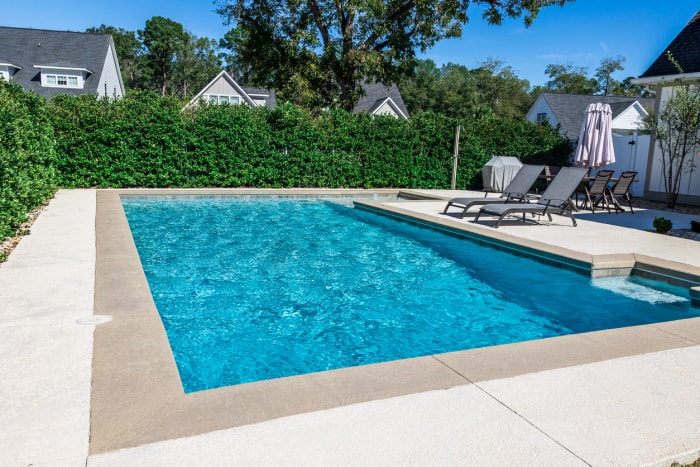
(375, 94)
(685, 48)
(270, 100)
(570, 109)
(26, 48)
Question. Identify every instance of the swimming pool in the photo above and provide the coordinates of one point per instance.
(263, 288)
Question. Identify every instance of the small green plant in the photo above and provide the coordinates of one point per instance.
(662, 225)
(695, 226)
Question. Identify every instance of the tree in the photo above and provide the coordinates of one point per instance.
(196, 63)
(456, 91)
(330, 47)
(163, 39)
(569, 79)
(499, 88)
(232, 64)
(129, 50)
(608, 86)
(677, 133)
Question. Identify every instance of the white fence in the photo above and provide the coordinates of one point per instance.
(631, 153)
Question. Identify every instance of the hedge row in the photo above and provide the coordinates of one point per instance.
(144, 140)
(27, 176)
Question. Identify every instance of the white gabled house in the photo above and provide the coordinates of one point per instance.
(60, 62)
(380, 99)
(569, 111)
(663, 76)
(224, 89)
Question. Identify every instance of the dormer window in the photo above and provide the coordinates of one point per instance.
(7, 70)
(541, 118)
(62, 77)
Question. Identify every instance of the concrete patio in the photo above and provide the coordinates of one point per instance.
(76, 390)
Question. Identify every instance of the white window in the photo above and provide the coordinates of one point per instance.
(62, 81)
(224, 99)
(542, 117)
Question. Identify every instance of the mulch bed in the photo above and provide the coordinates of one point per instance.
(10, 243)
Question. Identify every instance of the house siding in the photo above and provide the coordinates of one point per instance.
(221, 86)
(628, 121)
(689, 191)
(541, 106)
(385, 109)
(110, 78)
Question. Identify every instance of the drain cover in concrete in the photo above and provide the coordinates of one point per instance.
(95, 319)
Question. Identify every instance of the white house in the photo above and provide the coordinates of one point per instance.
(569, 111)
(223, 89)
(60, 62)
(664, 76)
(380, 99)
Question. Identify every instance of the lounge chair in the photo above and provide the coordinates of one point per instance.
(597, 191)
(556, 199)
(621, 190)
(516, 191)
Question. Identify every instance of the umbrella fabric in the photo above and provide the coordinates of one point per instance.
(595, 145)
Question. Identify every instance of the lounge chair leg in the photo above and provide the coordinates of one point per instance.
(498, 222)
(477, 217)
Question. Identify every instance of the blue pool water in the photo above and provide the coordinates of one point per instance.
(256, 289)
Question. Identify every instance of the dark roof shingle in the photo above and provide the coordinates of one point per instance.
(27, 48)
(375, 94)
(570, 109)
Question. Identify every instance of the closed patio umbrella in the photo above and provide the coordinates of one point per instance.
(595, 145)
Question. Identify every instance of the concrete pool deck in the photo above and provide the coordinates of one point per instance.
(104, 394)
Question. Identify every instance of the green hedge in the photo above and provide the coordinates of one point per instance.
(144, 140)
(27, 177)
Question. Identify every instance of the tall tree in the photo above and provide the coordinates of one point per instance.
(330, 46)
(196, 63)
(500, 89)
(129, 50)
(163, 39)
(607, 85)
(569, 79)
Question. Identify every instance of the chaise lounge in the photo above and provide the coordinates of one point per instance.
(556, 199)
(516, 191)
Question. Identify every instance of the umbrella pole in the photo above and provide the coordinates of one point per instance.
(455, 158)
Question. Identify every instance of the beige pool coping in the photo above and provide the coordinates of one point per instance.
(136, 393)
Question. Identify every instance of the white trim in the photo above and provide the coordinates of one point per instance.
(223, 74)
(392, 104)
(10, 65)
(49, 67)
(667, 79)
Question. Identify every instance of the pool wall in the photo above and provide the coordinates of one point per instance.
(137, 397)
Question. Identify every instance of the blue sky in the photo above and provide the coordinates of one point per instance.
(580, 33)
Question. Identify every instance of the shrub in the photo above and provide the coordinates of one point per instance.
(662, 225)
(27, 176)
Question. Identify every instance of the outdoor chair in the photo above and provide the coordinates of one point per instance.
(596, 191)
(556, 199)
(516, 191)
(621, 190)
(550, 171)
